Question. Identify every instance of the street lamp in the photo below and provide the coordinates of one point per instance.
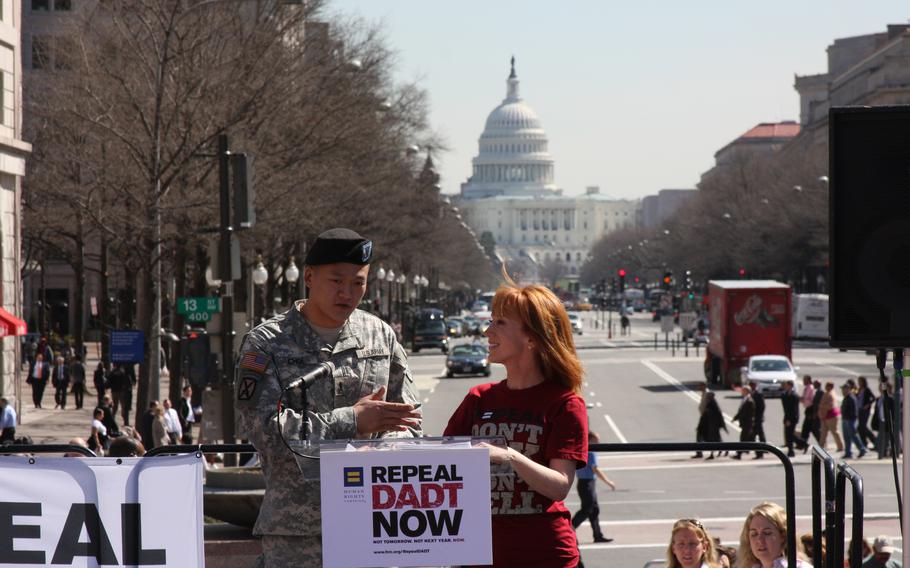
(380, 278)
(259, 277)
(292, 275)
(390, 277)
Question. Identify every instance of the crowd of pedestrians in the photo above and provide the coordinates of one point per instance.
(856, 419)
(163, 423)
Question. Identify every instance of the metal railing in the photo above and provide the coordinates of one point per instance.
(823, 460)
(846, 473)
(789, 478)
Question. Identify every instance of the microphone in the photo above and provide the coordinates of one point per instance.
(323, 370)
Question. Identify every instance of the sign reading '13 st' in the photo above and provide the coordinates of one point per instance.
(198, 309)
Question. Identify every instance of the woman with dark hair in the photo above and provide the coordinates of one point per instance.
(544, 421)
(714, 421)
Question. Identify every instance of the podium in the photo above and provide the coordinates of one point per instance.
(407, 502)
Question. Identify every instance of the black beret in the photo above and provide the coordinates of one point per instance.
(339, 245)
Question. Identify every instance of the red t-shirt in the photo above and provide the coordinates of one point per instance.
(543, 422)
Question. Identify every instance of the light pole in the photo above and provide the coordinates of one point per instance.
(380, 278)
(259, 276)
(292, 275)
(390, 277)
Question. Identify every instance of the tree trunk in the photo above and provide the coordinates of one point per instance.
(176, 362)
(105, 306)
(144, 323)
(79, 292)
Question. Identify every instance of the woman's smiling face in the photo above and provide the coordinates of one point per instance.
(507, 337)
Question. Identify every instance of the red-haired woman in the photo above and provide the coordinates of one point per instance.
(538, 411)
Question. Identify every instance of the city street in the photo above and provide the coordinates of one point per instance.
(642, 395)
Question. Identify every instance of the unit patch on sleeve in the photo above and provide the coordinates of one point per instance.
(254, 361)
(247, 387)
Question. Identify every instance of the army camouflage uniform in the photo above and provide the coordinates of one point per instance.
(366, 356)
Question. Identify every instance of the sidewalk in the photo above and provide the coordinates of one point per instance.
(48, 426)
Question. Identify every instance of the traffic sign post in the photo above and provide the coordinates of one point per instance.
(198, 309)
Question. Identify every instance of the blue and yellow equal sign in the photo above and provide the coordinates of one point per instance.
(353, 477)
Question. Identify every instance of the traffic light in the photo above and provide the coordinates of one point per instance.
(668, 279)
(195, 353)
(742, 272)
(622, 280)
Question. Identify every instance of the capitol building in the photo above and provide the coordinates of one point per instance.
(513, 196)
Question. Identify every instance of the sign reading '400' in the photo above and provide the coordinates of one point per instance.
(199, 309)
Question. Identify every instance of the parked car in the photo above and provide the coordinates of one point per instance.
(471, 323)
(768, 372)
(468, 359)
(430, 334)
(455, 327)
(577, 325)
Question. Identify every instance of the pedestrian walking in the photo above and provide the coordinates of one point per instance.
(100, 382)
(625, 325)
(865, 399)
(145, 423)
(126, 395)
(186, 414)
(790, 402)
(107, 408)
(117, 380)
(758, 429)
(8, 420)
(38, 376)
(700, 427)
(172, 421)
(159, 428)
(31, 350)
(714, 422)
(60, 378)
(77, 376)
(888, 437)
(745, 415)
(828, 414)
(807, 399)
(98, 436)
(587, 492)
(849, 416)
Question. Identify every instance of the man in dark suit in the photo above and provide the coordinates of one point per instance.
(38, 376)
(746, 418)
(758, 429)
(60, 377)
(790, 401)
(77, 373)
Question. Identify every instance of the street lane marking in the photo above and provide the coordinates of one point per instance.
(841, 369)
(686, 390)
(606, 497)
(718, 520)
(616, 429)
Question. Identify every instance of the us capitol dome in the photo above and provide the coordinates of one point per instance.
(513, 158)
(511, 196)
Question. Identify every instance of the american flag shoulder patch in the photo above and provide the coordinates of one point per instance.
(254, 361)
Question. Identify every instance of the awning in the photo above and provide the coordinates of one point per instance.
(11, 325)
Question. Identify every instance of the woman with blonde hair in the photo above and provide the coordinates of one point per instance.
(691, 546)
(763, 541)
(544, 421)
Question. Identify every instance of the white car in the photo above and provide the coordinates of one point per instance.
(577, 325)
(768, 372)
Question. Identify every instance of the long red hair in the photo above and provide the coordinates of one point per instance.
(544, 318)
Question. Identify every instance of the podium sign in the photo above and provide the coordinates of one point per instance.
(406, 504)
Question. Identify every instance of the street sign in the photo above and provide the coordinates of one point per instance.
(127, 346)
(198, 309)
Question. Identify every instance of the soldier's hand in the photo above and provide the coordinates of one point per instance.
(373, 414)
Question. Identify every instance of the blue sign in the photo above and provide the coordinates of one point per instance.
(127, 346)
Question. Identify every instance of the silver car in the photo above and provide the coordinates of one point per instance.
(768, 372)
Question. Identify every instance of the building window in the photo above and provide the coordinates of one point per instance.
(63, 5)
(586, 224)
(499, 224)
(41, 53)
(41, 5)
(568, 257)
(522, 238)
(545, 224)
(578, 256)
(64, 52)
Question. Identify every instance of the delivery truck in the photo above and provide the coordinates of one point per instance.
(810, 316)
(748, 317)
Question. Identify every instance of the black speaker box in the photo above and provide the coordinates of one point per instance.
(869, 173)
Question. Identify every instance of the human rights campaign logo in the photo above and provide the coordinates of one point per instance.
(353, 477)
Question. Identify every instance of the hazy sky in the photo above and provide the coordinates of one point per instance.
(634, 96)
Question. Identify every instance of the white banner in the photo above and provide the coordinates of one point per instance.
(406, 507)
(90, 512)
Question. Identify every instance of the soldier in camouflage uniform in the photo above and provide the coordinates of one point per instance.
(371, 393)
